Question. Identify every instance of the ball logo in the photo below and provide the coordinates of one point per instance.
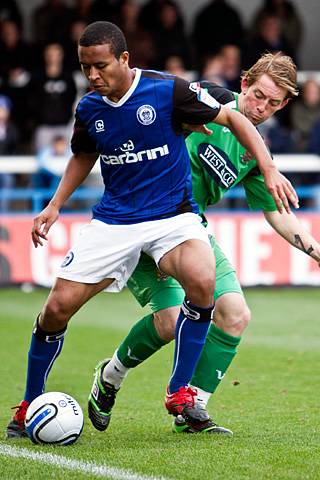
(62, 403)
(146, 114)
(68, 259)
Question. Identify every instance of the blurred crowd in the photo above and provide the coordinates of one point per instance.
(40, 78)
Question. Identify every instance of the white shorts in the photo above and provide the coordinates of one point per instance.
(113, 251)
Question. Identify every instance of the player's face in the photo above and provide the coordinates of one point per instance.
(107, 75)
(262, 99)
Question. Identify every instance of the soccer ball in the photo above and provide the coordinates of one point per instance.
(54, 418)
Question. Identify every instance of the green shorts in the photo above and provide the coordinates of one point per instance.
(150, 287)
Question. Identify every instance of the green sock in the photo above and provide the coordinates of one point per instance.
(140, 343)
(217, 354)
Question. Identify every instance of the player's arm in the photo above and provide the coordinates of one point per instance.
(78, 168)
(278, 185)
(291, 229)
(195, 106)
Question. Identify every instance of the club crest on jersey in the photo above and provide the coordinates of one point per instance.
(146, 114)
(99, 124)
(246, 157)
(68, 259)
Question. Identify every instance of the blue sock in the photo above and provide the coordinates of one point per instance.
(191, 330)
(44, 349)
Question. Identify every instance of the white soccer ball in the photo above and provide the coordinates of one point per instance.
(54, 418)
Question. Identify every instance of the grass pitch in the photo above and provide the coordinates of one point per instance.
(269, 398)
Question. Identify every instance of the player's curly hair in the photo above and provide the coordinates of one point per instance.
(281, 68)
(101, 33)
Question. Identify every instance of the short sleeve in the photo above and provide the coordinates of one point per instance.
(193, 104)
(257, 195)
(81, 142)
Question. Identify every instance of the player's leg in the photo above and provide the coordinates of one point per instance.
(64, 300)
(164, 296)
(230, 319)
(104, 256)
(224, 335)
(192, 264)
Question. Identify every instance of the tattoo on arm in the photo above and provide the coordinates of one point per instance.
(300, 244)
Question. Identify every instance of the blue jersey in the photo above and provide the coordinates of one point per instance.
(144, 161)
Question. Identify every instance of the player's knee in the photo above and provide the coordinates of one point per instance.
(243, 319)
(165, 323)
(54, 316)
(200, 289)
(235, 322)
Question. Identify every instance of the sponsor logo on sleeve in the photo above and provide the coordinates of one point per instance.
(203, 95)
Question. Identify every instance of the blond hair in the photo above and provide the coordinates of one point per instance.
(280, 68)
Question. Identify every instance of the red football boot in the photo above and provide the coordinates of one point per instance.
(176, 402)
(184, 403)
(16, 428)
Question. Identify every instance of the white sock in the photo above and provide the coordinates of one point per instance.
(202, 396)
(115, 372)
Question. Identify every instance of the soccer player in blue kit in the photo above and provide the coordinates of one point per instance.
(133, 120)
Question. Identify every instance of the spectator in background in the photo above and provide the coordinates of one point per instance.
(15, 71)
(8, 144)
(304, 114)
(51, 22)
(217, 24)
(104, 10)
(314, 139)
(140, 42)
(169, 36)
(269, 38)
(9, 10)
(149, 15)
(231, 66)
(81, 10)
(71, 61)
(291, 23)
(52, 161)
(212, 69)
(14, 52)
(175, 65)
(52, 95)
(314, 147)
(276, 136)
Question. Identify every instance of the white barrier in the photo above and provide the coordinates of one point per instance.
(28, 164)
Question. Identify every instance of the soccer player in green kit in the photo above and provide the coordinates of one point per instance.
(219, 162)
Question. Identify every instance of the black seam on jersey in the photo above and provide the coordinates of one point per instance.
(219, 93)
(184, 206)
(157, 75)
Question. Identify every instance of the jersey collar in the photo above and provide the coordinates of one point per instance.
(129, 92)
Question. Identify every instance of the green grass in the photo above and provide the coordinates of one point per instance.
(274, 410)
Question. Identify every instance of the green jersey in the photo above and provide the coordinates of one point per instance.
(219, 162)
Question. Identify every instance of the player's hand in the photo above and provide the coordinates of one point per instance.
(197, 128)
(281, 190)
(42, 224)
